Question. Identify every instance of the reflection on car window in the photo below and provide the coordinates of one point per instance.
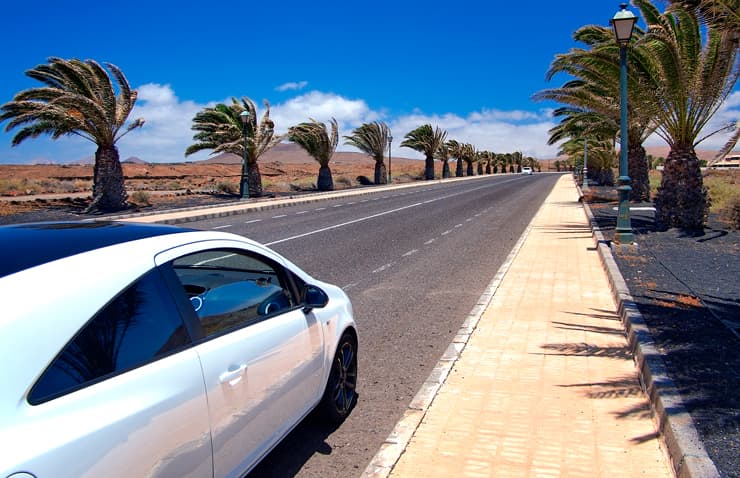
(231, 289)
(138, 326)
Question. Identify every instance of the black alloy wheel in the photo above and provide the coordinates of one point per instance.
(340, 395)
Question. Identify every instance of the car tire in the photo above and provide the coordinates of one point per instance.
(340, 395)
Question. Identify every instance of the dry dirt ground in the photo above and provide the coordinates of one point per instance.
(28, 188)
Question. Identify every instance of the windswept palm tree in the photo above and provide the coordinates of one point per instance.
(468, 155)
(724, 14)
(595, 93)
(443, 154)
(221, 130)
(697, 70)
(79, 99)
(320, 144)
(372, 138)
(427, 141)
(455, 149)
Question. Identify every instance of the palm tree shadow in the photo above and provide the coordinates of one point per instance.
(589, 328)
(584, 349)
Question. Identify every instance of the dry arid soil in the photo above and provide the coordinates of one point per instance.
(25, 188)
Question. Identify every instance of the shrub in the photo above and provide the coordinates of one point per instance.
(734, 213)
(343, 181)
(226, 188)
(140, 198)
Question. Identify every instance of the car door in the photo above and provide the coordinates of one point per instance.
(123, 398)
(262, 356)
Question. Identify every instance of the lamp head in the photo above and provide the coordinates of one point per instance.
(244, 115)
(623, 23)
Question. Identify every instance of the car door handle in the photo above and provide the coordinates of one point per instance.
(232, 376)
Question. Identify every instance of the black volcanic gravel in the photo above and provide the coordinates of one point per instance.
(687, 287)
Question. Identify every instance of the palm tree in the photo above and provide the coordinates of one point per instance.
(489, 156)
(468, 155)
(372, 138)
(320, 144)
(425, 140)
(696, 75)
(443, 154)
(455, 150)
(221, 129)
(480, 158)
(595, 93)
(724, 14)
(79, 99)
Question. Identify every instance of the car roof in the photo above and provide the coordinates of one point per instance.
(23, 246)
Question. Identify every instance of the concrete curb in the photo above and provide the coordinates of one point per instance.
(395, 444)
(685, 449)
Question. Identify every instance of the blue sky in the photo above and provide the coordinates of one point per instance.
(470, 67)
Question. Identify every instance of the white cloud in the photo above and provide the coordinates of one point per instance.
(166, 133)
(322, 107)
(292, 85)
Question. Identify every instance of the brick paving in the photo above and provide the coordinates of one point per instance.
(546, 386)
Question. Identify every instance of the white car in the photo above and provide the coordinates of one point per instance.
(134, 350)
(526, 170)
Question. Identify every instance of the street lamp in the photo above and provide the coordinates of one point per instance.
(243, 186)
(584, 186)
(390, 177)
(623, 24)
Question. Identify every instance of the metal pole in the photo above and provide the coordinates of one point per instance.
(243, 186)
(584, 186)
(623, 232)
(390, 177)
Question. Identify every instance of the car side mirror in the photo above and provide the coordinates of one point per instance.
(313, 298)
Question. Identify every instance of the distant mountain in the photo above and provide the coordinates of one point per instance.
(287, 153)
(42, 161)
(134, 160)
(83, 161)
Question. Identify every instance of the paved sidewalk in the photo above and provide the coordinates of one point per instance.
(546, 385)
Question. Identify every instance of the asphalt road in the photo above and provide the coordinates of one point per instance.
(414, 262)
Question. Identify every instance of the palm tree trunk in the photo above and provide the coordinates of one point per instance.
(109, 190)
(480, 169)
(381, 174)
(445, 170)
(488, 168)
(429, 168)
(638, 171)
(254, 180)
(470, 168)
(325, 181)
(682, 199)
(459, 169)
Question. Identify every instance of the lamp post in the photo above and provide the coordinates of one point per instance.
(390, 177)
(584, 186)
(623, 23)
(243, 185)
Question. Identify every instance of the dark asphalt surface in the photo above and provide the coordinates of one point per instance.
(414, 262)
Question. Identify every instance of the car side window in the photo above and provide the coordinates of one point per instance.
(230, 289)
(140, 325)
